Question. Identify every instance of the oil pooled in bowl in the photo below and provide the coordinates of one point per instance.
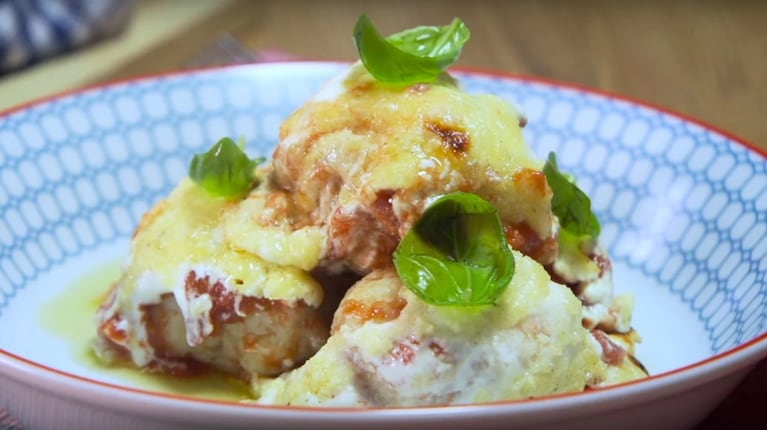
(71, 316)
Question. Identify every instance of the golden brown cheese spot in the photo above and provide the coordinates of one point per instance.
(149, 217)
(359, 87)
(282, 206)
(533, 180)
(525, 240)
(612, 353)
(453, 138)
(380, 311)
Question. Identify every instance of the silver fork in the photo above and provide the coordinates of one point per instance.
(225, 50)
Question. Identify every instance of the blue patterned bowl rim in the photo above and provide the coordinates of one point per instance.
(677, 380)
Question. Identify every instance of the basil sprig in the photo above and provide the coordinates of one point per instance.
(457, 253)
(571, 205)
(420, 54)
(224, 170)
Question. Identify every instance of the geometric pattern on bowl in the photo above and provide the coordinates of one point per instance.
(684, 205)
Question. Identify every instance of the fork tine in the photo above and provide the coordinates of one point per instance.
(224, 50)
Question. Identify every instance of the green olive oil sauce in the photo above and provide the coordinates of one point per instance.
(71, 316)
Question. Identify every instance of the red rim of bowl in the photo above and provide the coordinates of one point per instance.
(749, 350)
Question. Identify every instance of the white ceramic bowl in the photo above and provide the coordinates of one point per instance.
(682, 207)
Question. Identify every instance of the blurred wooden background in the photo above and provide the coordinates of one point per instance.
(703, 58)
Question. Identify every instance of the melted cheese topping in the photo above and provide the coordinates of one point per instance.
(266, 231)
(361, 159)
(530, 343)
(426, 140)
(184, 234)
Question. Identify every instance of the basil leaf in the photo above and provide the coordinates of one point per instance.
(456, 253)
(571, 205)
(420, 54)
(224, 170)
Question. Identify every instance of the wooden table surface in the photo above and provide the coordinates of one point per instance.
(706, 59)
